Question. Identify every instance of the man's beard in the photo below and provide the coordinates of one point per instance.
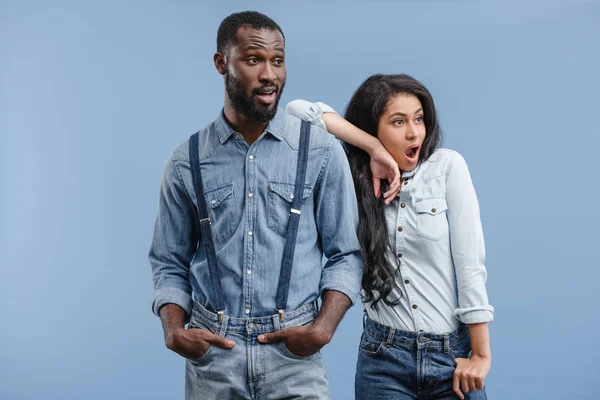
(245, 105)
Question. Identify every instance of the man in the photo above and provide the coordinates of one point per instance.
(246, 213)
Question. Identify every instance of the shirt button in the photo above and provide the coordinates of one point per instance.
(249, 233)
(403, 205)
(406, 281)
(213, 202)
(250, 195)
(415, 306)
(433, 210)
(399, 229)
(251, 157)
(247, 311)
(249, 272)
(399, 255)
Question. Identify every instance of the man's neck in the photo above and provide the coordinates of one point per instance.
(250, 130)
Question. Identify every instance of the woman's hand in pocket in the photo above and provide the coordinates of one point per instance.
(470, 374)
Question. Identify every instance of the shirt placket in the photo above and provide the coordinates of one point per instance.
(400, 247)
(249, 231)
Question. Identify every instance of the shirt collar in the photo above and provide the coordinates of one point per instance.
(276, 126)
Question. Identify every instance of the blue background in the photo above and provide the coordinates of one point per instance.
(94, 95)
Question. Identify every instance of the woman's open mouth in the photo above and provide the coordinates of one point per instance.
(412, 153)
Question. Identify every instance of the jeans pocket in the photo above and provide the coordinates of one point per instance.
(431, 218)
(369, 345)
(197, 324)
(281, 195)
(460, 349)
(287, 352)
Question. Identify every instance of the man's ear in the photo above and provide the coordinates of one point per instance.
(220, 60)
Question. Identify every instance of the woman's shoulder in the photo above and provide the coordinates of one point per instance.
(443, 158)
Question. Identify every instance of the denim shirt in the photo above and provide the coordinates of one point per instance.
(248, 192)
(436, 240)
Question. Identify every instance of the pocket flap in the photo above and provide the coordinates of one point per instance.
(286, 190)
(432, 206)
(215, 196)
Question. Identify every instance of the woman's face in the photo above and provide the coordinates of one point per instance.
(401, 130)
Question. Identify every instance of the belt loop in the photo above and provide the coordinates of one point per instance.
(446, 343)
(390, 337)
(223, 329)
(276, 325)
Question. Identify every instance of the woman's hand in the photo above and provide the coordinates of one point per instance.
(383, 166)
(470, 374)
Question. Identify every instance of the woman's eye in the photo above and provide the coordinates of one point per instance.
(398, 122)
(419, 119)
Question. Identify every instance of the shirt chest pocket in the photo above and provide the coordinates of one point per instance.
(281, 195)
(222, 211)
(431, 218)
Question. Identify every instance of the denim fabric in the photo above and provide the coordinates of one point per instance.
(436, 239)
(249, 191)
(252, 370)
(400, 365)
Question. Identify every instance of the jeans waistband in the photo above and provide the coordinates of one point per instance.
(254, 325)
(396, 336)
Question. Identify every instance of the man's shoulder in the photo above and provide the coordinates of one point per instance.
(319, 138)
(206, 139)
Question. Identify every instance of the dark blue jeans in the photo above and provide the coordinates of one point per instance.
(399, 365)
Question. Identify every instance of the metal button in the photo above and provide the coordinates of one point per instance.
(399, 255)
(251, 157)
(249, 233)
(414, 306)
(249, 271)
(403, 205)
(250, 195)
(247, 311)
(433, 210)
(406, 281)
(213, 202)
(399, 229)
(291, 196)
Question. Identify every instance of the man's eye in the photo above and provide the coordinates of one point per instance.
(278, 61)
(253, 60)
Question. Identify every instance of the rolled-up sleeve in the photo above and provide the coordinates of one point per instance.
(174, 242)
(309, 112)
(467, 245)
(337, 222)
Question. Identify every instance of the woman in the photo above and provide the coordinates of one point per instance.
(425, 332)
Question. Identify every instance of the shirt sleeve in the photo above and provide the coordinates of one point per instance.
(174, 242)
(336, 214)
(467, 245)
(309, 112)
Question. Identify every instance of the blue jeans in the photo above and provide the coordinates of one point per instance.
(252, 370)
(399, 365)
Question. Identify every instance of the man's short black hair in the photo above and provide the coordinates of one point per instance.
(229, 26)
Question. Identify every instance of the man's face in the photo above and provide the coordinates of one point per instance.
(256, 73)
